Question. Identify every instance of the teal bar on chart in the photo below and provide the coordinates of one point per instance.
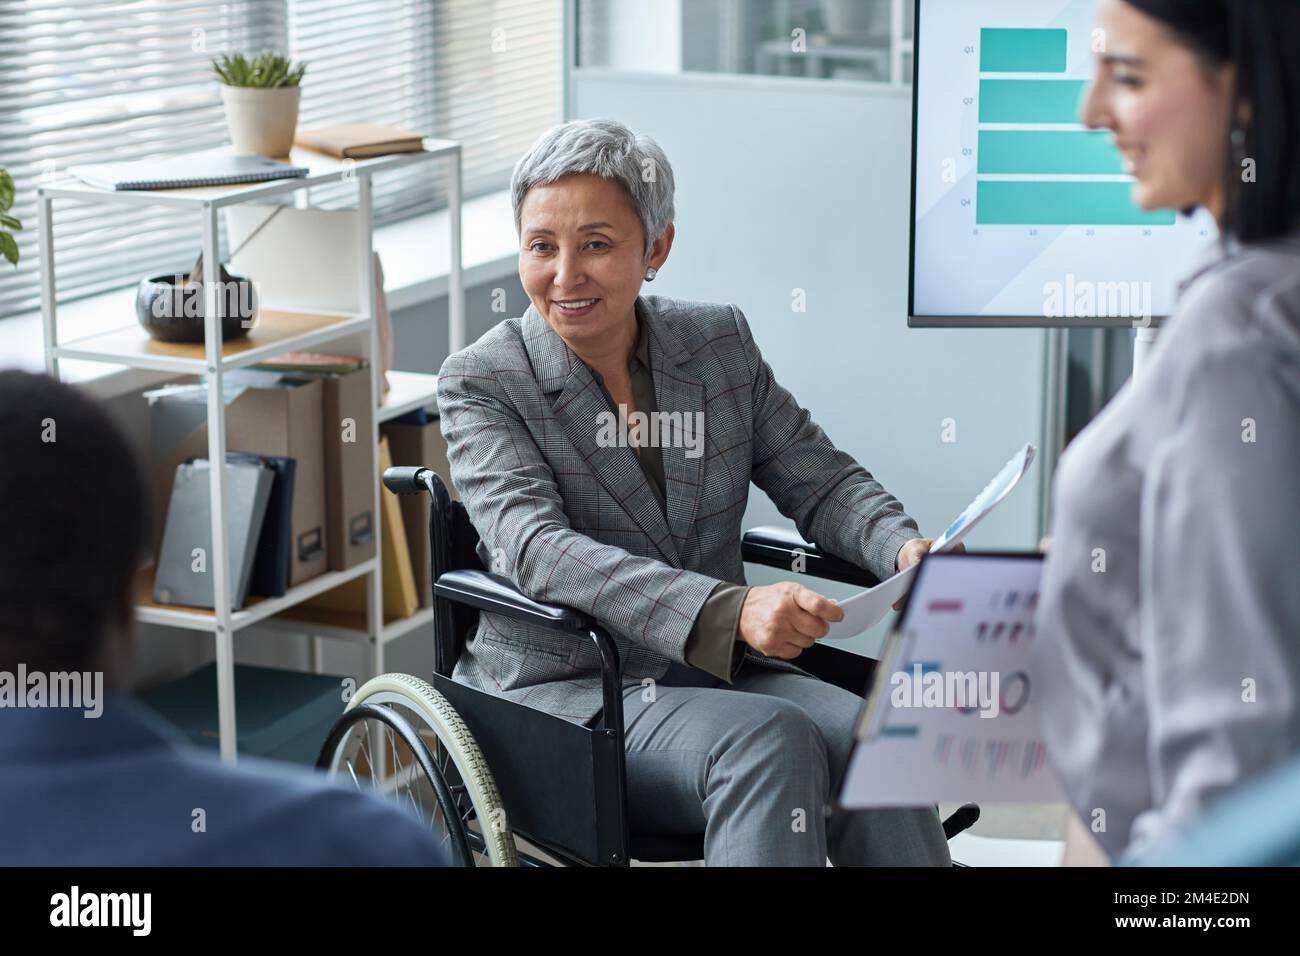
(1022, 51)
(1057, 203)
(1047, 151)
(1030, 101)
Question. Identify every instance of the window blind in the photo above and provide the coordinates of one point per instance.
(498, 83)
(485, 73)
(83, 81)
(86, 81)
(369, 60)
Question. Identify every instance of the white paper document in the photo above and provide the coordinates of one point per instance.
(866, 609)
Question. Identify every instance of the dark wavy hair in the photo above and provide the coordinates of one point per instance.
(75, 524)
(1258, 38)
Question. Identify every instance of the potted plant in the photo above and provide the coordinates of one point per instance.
(261, 99)
(8, 224)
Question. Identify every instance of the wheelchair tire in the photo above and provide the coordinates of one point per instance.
(438, 716)
(401, 729)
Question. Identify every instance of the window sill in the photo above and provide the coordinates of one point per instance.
(416, 258)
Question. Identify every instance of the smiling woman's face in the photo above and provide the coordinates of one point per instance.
(1168, 114)
(582, 256)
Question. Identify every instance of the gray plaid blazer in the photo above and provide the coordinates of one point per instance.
(575, 523)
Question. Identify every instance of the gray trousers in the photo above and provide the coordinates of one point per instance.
(753, 765)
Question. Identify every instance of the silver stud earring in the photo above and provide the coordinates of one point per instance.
(650, 275)
(1238, 139)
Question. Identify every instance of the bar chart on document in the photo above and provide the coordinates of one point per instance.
(1012, 192)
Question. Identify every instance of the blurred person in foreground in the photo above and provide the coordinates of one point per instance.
(103, 782)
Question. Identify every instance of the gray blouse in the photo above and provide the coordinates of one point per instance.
(1169, 617)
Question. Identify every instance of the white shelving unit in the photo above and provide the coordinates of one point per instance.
(824, 51)
(276, 332)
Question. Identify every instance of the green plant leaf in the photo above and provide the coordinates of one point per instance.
(264, 71)
(9, 222)
(6, 190)
(9, 248)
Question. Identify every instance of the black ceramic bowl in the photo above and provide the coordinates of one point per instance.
(173, 312)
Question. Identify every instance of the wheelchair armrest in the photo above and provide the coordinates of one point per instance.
(498, 595)
(776, 548)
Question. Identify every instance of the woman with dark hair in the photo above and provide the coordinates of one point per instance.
(1170, 610)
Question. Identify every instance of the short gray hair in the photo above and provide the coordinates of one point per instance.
(607, 149)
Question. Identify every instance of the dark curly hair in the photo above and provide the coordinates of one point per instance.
(74, 525)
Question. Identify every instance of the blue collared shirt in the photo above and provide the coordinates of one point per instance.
(120, 790)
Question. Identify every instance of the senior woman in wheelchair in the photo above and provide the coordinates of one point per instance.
(603, 445)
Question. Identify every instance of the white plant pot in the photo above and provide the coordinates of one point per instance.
(261, 121)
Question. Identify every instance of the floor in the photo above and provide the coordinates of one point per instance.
(1010, 835)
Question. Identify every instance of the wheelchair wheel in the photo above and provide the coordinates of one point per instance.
(449, 785)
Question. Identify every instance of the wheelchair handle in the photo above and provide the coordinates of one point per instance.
(406, 479)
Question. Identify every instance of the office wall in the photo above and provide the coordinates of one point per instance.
(420, 331)
(786, 186)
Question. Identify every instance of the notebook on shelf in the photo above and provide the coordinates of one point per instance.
(359, 140)
(181, 575)
(271, 558)
(217, 167)
(312, 362)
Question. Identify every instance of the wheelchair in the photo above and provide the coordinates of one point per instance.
(480, 770)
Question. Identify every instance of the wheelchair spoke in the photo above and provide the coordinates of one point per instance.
(411, 779)
(410, 792)
(459, 792)
(389, 739)
(443, 759)
(370, 757)
(407, 779)
(415, 806)
(443, 829)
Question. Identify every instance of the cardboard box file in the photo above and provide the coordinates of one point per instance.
(419, 445)
(399, 593)
(282, 421)
(286, 422)
(349, 480)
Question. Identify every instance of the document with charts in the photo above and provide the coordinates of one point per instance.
(953, 715)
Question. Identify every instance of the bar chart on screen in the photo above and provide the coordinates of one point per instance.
(1020, 210)
(1033, 166)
